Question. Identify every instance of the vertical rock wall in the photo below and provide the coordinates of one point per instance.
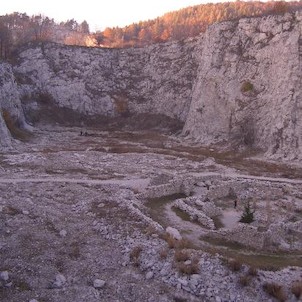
(11, 112)
(248, 88)
(111, 82)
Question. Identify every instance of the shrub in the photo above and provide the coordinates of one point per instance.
(296, 289)
(275, 290)
(247, 86)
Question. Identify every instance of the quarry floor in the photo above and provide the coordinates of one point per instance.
(68, 219)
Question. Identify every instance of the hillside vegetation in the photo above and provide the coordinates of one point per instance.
(188, 22)
(19, 28)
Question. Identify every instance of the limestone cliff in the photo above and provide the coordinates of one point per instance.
(110, 82)
(238, 84)
(248, 89)
(11, 112)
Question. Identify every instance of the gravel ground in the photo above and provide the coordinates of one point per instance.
(72, 228)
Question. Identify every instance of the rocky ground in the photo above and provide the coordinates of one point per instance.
(76, 225)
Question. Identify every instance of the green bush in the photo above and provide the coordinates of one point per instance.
(247, 215)
(247, 86)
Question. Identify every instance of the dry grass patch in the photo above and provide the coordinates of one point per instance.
(177, 244)
(74, 251)
(150, 230)
(163, 254)
(245, 280)
(252, 271)
(22, 285)
(189, 267)
(180, 256)
(135, 254)
(296, 289)
(9, 210)
(234, 265)
(275, 290)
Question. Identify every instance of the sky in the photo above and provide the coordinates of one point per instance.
(98, 13)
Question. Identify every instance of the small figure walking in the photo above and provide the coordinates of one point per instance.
(235, 203)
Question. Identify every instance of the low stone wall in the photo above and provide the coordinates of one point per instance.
(207, 207)
(285, 237)
(245, 189)
(175, 186)
(279, 237)
(195, 215)
(243, 234)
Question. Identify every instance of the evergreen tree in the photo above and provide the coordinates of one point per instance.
(247, 215)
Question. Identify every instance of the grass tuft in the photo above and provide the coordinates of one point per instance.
(252, 271)
(275, 290)
(163, 254)
(189, 268)
(245, 280)
(234, 265)
(135, 253)
(296, 289)
(181, 256)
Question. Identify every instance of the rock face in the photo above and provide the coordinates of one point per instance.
(239, 83)
(110, 82)
(248, 88)
(11, 112)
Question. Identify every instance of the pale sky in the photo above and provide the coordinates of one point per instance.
(98, 13)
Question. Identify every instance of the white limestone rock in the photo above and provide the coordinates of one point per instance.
(174, 233)
(4, 275)
(59, 281)
(149, 275)
(98, 283)
(10, 105)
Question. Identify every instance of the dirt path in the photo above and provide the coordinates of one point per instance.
(142, 182)
(138, 183)
(240, 176)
